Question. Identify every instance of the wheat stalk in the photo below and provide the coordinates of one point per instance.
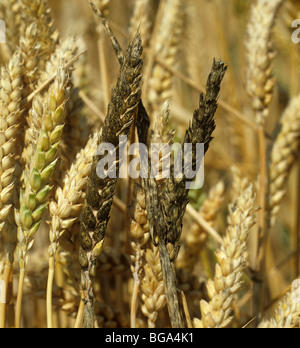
(231, 264)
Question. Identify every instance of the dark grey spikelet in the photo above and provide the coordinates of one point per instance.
(120, 116)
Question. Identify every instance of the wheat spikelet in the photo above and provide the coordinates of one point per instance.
(239, 182)
(162, 138)
(283, 155)
(287, 315)
(120, 116)
(231, 264)
(260, 54)
(196, 238)
(10, 121)
(63, 53)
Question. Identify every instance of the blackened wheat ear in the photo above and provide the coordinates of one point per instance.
(120, 116)
(174, 200)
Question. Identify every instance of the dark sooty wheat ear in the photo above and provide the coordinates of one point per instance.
(120, 115)
(174, 200)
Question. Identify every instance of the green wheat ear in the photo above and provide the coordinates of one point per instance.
(37, 179)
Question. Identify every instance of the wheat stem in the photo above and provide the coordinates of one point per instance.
(19, 298)
(49, 292)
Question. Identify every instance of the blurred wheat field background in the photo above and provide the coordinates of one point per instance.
(76, 251)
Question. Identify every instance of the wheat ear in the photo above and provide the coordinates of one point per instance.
(11, 84)
(283, 155)
(142, 18)
(287, 315)
(260, 54)
(153, 287)
(231, 264)
(121, 114)
(260, 84)
(139, 231)
(66, 208)
(29, 49)
(165, 48)
(38, 12)
(12, 14)
(37, 178)
(175, 198)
